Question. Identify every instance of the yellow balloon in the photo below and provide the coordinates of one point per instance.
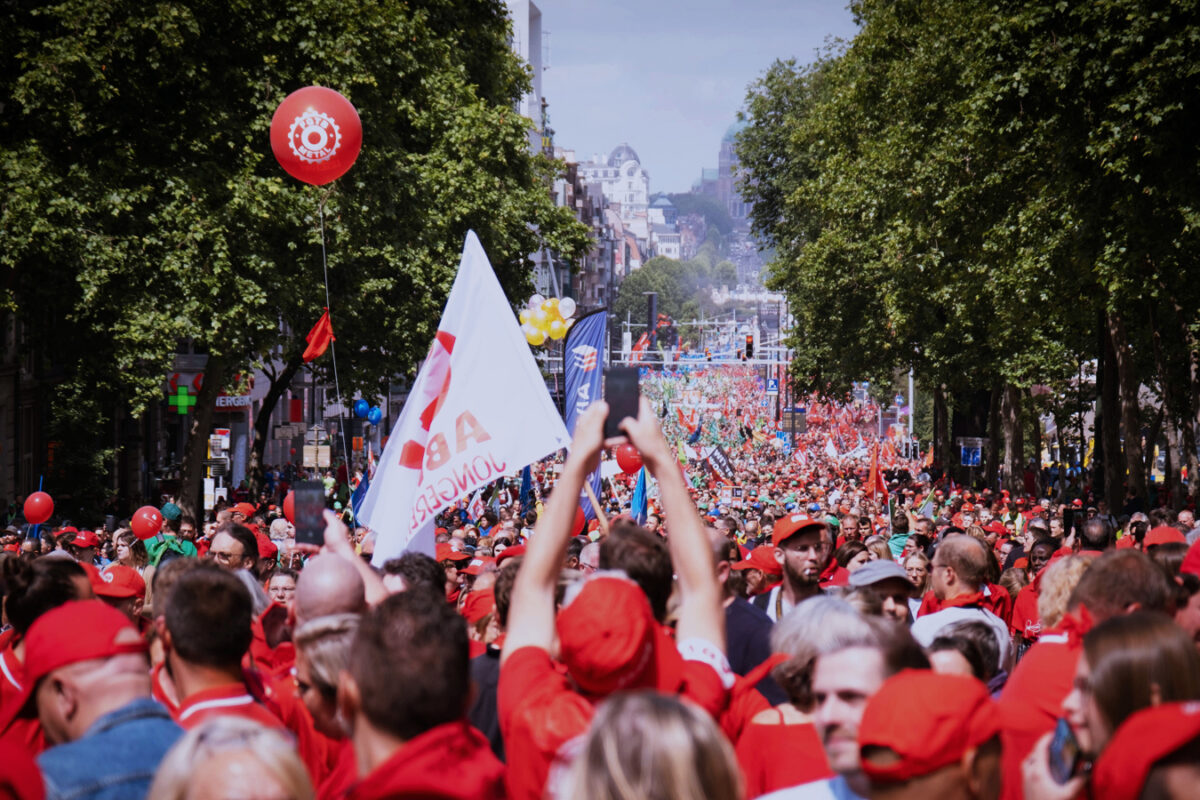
(558, 329)
(535, 337)
(523, 316)
(539, 317)
(552, 303)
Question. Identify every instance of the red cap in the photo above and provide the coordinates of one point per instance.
(477, 564)
(245, 509)
(1077, 503)
(760, 558)
(510, 552)
(1037, 510)
(607, 638)
(789, 526)
(968, 507)
(77, 631)
(1142, 739)
(478, 605)
(119, 581)
(266, 548)
(446, 552)
(86, 539)
(1163, 534)
(996, 526)
(1191, 562)
(928, 719)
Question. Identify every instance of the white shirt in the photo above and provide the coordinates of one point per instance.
(930, 626)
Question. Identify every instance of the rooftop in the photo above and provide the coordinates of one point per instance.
(622, 153)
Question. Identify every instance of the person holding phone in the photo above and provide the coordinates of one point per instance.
(1129, 663)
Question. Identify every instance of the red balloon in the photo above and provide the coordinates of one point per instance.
(289, 507)
(146, 522)
(629, 459)
(38, 508)
(316, 135)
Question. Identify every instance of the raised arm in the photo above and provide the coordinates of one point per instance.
(700, 612)
(531, 610)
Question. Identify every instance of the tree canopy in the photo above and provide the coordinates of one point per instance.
(143, 210)
(990, 195)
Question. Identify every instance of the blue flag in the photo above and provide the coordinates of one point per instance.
(583, 353)
(638, 505)
(526, 488)
(359, 493)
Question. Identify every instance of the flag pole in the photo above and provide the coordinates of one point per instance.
(600, 517)
(333, 345)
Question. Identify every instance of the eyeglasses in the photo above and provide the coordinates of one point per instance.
(225, 557)
(587, 567)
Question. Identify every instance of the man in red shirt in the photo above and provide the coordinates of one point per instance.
(608, 637)
(405, 699)
(207, 633)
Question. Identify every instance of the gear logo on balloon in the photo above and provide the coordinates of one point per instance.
(314, 137)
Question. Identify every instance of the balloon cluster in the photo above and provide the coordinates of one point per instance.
(544, 319)
(364, 410)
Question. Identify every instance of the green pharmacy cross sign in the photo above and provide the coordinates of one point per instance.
(182, 400)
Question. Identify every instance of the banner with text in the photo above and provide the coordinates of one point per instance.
(478, 410)
(584, 364)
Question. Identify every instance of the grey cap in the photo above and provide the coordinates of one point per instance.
(875, 571)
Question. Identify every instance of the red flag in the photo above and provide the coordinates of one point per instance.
(319, 338)
(875, 480)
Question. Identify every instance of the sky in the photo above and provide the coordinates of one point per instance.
(669, 76)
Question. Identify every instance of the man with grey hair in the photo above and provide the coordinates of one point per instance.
(839, 660)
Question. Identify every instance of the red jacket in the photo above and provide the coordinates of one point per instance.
(450, 761)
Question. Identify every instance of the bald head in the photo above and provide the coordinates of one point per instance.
(329, 584)
(967, 556)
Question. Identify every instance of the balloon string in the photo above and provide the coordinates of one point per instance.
(333, 341)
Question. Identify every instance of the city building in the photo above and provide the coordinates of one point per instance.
(625, 184)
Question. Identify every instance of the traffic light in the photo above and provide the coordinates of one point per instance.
(749, 346)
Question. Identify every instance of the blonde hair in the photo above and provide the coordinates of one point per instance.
(1056, 586)
(650, 746)
(271, 748)
(325, 644)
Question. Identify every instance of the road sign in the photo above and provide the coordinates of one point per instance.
(972, 456)
(899, 399)
(772, 386)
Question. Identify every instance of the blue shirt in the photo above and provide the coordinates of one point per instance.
(116, 759)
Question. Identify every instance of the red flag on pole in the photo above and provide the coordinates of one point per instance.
(875, 480)
(319, 338)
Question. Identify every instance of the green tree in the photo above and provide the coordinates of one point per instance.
(144, 211)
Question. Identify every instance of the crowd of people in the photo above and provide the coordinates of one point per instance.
(819, 634)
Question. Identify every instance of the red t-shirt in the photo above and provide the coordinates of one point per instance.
(450, 761)
(777, 756)
(318, 752)
(1025, 619)
(342, 777)
(21, 732)
(1032, 702)
(230, 700)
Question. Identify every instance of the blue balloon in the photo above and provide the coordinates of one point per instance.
(360, 408)
(374, 415)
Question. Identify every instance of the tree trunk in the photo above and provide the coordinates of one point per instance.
(191, 472)
(1014, 450)
(262, 422)
(994, 436)
(941, 428)
(1187, 424)
(1130, 409)
(1110, 428)
(1170, 485)
(1033, 444)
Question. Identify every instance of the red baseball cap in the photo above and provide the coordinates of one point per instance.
(1077, 503)
(1037, 510)
(447, 553)
(787, 527)
(996, 526)
(1142, 739)
(77, 631)
(606, 636)
(1163, 534)
(968, 507)
(119, 581)
(245, 509)
(760, 558)
(477, 564)
(1191, 562)
(510, 552)
(928, 719)
(266, 548)
(86, 539)
(478, 605)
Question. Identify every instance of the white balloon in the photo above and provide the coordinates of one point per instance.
(536, 301)
(566, 307)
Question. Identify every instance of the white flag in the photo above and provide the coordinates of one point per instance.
(830, 450)
(478, 410)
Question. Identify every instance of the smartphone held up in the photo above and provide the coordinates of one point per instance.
(621, 393)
